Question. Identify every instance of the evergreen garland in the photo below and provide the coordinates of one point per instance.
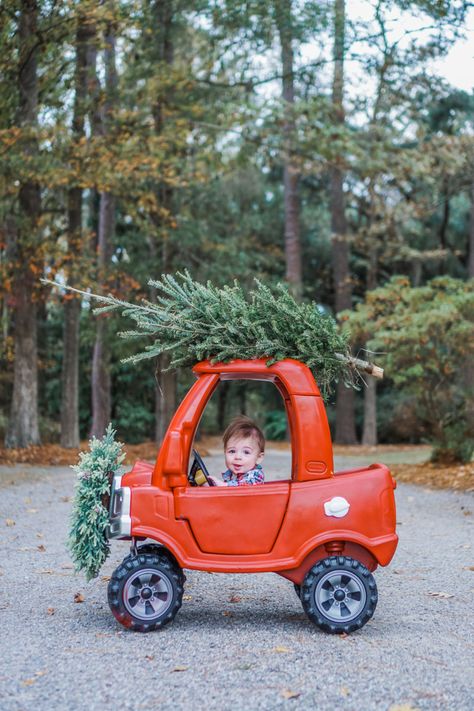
(197, 321)
(90, 516)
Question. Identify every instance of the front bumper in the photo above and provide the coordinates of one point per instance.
(120, 522)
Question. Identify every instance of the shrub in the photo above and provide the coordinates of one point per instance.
(426, 335)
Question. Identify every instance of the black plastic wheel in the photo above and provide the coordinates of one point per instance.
(145, 591)
(157, 549)
(297, 589)
(339, 594)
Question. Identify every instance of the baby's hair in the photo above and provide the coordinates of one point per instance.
(242, 426)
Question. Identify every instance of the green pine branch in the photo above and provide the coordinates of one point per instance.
(90, 517)
(194, 322)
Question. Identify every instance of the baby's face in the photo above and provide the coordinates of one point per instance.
(242, 454)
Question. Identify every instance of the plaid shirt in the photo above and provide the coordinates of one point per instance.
(253, 476)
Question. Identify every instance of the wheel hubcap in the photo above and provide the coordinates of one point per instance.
(340, 596)
(147, 594)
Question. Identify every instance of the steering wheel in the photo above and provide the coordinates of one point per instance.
(198, 474)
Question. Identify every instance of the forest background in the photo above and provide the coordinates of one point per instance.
(281, 140)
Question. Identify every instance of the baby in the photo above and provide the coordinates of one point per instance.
(244, 446)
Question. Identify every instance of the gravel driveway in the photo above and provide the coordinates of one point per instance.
(258, 652)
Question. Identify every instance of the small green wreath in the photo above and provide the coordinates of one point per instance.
(88, 542)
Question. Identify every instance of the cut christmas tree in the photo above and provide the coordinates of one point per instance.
(194, 322)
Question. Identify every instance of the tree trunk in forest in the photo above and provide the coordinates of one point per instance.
(470, 267)
(345, 400)
(165, 401)
(23, 429)
(290, 168)
(369, 432)
(222, 393)
(443, 228)
(72, 305)
(166, 390)
(101, 382)
(70, 374)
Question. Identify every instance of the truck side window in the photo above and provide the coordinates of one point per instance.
(261, 401)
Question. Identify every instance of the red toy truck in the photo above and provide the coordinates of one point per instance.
(324, 531)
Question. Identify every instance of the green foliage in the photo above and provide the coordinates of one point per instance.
(275, 425)
(426, 335)
(87, 539)
(200, 321)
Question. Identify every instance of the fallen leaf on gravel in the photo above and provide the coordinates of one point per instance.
(105, 578)
(468, 567)
(39, 535)
(440, 594)
(79, 597)
(50, 610)
(343, 635)
(41, 548)
(149, 657)
(67, 566)
(47, 571)
(344, 691)
(403, 707)
(10, 522)
(29, 682)
(282, 650)
(28, 500)
(32, 510)
(179, 669)
(467, 512)
(235, 598)
(288, 694)
(65, 499)
(228, 613)
(187, 597)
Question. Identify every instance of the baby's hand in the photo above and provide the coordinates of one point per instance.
(217, 482)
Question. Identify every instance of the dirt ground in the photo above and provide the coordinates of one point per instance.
(408, 463)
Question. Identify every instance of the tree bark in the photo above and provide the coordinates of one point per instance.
(290, 167)
(23, 429)
(101, 382)
(470, 267)
(369, 432)
(72, 306)
(345, 400)
(165, 402)
(166, 390)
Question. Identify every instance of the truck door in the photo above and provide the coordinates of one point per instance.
(241, 520)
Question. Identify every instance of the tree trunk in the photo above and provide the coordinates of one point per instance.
(70, 374)
(166, 390)
(72, 305)
(23, 427)
(166, 400)
(290, 167)
(345, 400)
(470, 268)
(369, 433)
(101, 390)
(101, 382)
(222, 397)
